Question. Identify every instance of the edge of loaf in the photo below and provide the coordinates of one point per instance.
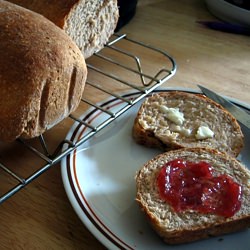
(89, 23)
(42, 73)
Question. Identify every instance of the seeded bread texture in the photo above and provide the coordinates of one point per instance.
(152, 127)
(187, 226)
(89, 23)
(42, 73)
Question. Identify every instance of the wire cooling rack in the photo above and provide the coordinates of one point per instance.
(124, 65)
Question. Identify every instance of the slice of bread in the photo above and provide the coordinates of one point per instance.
(190, 225)
(176, 119)
(42, 73)
(90, 23)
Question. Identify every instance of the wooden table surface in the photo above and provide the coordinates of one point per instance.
(40, 215)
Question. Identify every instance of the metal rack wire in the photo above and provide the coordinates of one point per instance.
(124, 70)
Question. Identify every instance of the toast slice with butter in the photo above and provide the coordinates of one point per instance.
(176, 119)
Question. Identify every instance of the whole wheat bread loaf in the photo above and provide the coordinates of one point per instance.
(186, 226)
(176, 119)
(42, 73)
(89, 23)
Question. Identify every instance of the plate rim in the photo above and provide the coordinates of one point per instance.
(96, 230)
(228, 12)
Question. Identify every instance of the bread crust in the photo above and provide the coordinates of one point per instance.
(97, 26)
(42, 73)
(55, 11)
(148, 136)
(214, 230)
(212, 225)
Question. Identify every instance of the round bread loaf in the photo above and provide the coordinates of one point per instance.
(89, 23)
(42, 73)
(176, 119)
(190, 225)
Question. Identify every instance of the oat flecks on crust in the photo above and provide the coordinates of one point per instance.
(189, 226)
(153, 128)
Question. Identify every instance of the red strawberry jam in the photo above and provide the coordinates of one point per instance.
(191, 186)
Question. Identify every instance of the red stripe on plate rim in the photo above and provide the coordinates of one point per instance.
(74, 182)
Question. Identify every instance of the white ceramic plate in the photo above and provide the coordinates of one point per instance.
(229, 12)
(99, 181)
